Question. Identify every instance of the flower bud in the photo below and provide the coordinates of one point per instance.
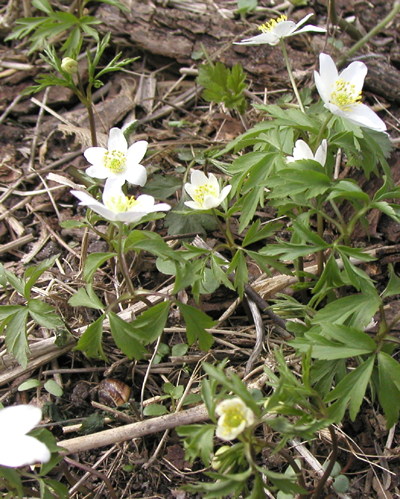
(69, 65)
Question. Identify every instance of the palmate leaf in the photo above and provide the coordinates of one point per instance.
(350, 391)
(198, 441)
(389, 387)
(90, 343)
(223, 85)
(196, 324)
(16, 340)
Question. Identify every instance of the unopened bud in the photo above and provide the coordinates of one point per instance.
(69, 65)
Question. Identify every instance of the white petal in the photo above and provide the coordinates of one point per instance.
(161, 207)
(190, 189)
(136, 152)
(322, 150)
(117, 140)
(18, 419)
(310, 27)
(198, 178)
(302, 151)
(114, 183)
(225, 191)
(284, 28)
(93, 204)
(130, 216)
(355, 74)
(144, 202)
(210, 202)
(212, 179)
(95, 155)
(304, 20)
(112, 188)
(269, 38)
(364, 116)
(193, 205)
(324, 90)
(229, 433)
(98, 171)
(327, 70)
(136, 175)
(22, 450)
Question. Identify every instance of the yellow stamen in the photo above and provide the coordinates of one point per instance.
(270, 25)
(120, 204)
(115, 161)
(345, 95)
(233, 417)
(202, 190)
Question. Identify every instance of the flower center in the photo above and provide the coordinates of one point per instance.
(201, 191)
(115, 161)
(120, 204)
(345, 95)
(234, 417)
(270, 25)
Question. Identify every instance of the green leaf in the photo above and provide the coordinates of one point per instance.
(150, 324)
(163, 186)
(44, 314)
(196, 324)
(28, 385)
(17, 283)
(155, 410)
(256, 232)
(126, 338)
(53, 388)
(349, 190)
(356, 310)
(223, 85)
(8, 310)
(335, 342)
(351, 390)
(93, 262)
(13, 481)
(182, 220)
(245, 6)
(179, 350)
(150, 241)
(16, 340)
(90, 343)
(393, 286)
(32, 274)
(198, 441)
(239, 267)
(388, 390)
(86, 297)
(391, 366)
(233, 383)
(291, 117)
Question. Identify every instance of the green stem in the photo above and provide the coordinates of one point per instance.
(290, 73)
(379, 27)
(322, 129)
(320, 254)
(226, 230)
(122, 261)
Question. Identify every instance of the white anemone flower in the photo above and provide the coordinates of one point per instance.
(276, 29)
(234, 417)
(303, 151)
(118, 162)
(117, 207)
(16, 447)
(205, 191)
(342, 95)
